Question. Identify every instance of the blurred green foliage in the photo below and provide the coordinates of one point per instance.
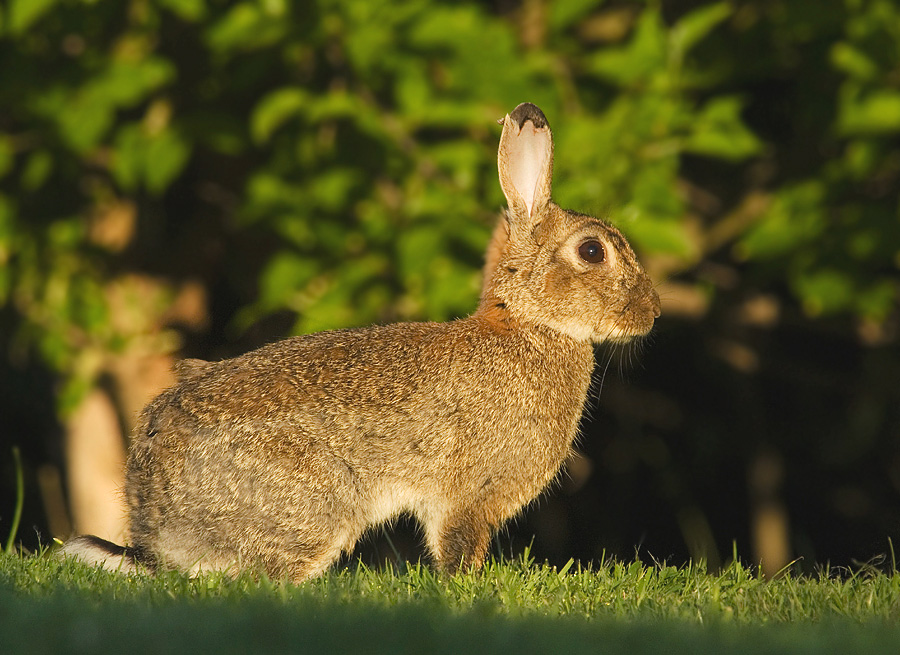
(360, 135)
(833, 232)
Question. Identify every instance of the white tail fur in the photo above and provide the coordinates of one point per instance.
(99, 552)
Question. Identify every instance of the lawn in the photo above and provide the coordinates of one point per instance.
(511, 606)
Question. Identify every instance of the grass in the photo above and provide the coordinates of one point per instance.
(518, 606)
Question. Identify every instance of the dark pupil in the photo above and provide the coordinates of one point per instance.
(591, 252)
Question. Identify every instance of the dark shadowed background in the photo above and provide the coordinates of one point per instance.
(197, 178)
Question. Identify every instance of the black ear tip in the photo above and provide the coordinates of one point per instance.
(529, 112)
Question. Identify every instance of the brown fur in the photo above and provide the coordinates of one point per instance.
(284, 456)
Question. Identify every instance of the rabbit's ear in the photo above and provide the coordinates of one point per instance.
(525, 161)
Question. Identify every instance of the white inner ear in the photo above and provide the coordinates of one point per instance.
(528, 158)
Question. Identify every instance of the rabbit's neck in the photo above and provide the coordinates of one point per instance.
(537, 380)
(495, 313)
(543, 356)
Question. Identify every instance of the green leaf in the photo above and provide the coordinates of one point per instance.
(124, 82)
(165, 156)
(695, 25)
(565, 12)
(874, 113)
(37, 169)
(128, 159)
(151, 160)
(369, 43)
(85, 122)
(718, 131)
(86, 115)
(189, 10)
(249, 26)
(652, 235)
(67, 233)
(24, 13)
(795, 218)
(285, 276)
(451, 290)
(879, 300)
(824, 291)
(643, 57)
(335, 104)
(861, 156)
(274, 109)
(416, 249)
(332, 190)
(654, 191)
(414, 91)
(850, 60)
(235, 28)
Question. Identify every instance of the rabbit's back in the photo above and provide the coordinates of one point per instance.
(376, 381)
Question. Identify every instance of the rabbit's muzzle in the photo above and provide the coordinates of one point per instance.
(637, 317)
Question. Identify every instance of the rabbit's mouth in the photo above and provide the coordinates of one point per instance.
(620, 326)
(619, 334)
(635, 320)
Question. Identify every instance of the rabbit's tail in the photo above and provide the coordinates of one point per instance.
(100, 552)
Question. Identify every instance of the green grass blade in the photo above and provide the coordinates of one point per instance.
(20, 500)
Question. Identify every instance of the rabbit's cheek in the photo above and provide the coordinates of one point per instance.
(558, 285)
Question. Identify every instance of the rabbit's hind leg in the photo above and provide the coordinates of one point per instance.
(301, 560)
(460, 540)
(302, 518)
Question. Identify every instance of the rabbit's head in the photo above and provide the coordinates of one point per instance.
(548, 266)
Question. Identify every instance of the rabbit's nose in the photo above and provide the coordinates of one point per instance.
(654, 303)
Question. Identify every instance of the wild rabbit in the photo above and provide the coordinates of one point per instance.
(283, 457)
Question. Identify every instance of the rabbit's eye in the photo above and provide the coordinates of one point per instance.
(591, 251)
